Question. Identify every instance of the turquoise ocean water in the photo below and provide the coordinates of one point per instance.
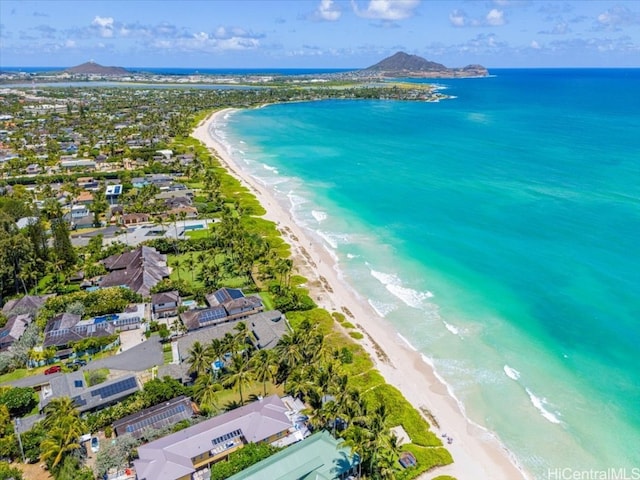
(499, 231)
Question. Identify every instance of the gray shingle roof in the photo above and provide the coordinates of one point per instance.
(140, 270)
(169, 458)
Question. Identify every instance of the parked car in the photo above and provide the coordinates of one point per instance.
(76, 364)
(95, 444)
(53, 369)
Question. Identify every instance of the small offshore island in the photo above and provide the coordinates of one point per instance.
(156, 299)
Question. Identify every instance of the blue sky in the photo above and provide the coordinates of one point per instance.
(319, 33)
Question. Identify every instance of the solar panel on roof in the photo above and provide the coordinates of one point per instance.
(79, 401)
(115, 388)
(235, 293)
(211, 315)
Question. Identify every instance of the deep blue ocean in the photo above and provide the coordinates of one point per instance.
(498, 230)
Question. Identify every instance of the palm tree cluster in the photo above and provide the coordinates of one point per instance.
(307, 368)
(64, 427)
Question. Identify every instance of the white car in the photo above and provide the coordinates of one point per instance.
(95, 444)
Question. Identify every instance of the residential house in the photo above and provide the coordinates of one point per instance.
(33, 169)
(79, 217)
(160, 416)
(173, 199)
(225, 305)
(189, 212)
(13, 330)
(86, 398)
(135, 218)
(265, 329)
(88, 183)
(139, 182)
(140, 270)
(165, 304)
(180, 455)
(28, 304)
(66, 328)
(112, 193)
(84, 198)
(319, 456)
(20, 312)
(185, 159)
(78, 163)
(160, 180)
(24, 222)
(166, 154)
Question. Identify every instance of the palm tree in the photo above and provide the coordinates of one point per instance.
(239, 375)
(177, 264)
(242, 332)
(57, 410)
(189, 263)
(206, 390)
(64, 427)
(218, 349)
(199, 359)
(264, 367)
(288, 350)
(60, 440)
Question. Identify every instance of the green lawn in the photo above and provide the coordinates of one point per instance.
(167, 353)
(15, 375)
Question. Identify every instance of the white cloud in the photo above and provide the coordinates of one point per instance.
(618, 16)
(327, 11)
(70, 44)
(104, 26)
(389, 10)
(535, 45)
(495, 17)
(458, 18)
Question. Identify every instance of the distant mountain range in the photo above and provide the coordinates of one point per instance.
(92, 68)
(402, 64)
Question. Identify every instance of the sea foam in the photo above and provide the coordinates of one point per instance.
(381, 308)
(511, 372)
(319, 215)
(539, 404)
(409, 296)
(451, 328)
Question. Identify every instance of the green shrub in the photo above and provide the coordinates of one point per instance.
(249, 455)
(356, 335)
(348, 325)
(95, 377)
(18, 400)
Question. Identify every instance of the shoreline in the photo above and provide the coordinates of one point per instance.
(477, 453)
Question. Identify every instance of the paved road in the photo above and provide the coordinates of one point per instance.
(136, 359)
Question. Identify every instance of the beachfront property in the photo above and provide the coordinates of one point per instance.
(180, 455)
(140, 270)
(319, 456)
(225, 305)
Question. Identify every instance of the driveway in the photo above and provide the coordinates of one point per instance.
(141, 357)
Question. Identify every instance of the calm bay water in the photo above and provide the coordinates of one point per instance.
(498, 231)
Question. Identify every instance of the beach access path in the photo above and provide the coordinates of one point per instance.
(477, 453)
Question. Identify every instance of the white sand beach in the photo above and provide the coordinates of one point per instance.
(477, 453)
